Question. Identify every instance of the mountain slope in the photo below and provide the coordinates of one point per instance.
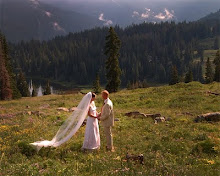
(212, 18)
(27, 19)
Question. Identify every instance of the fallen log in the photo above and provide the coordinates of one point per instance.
(209, 117)
(213, 93)
(136, 114)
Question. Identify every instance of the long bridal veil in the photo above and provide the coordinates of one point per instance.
(70, 126)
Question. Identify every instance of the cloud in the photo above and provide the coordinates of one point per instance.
(150, 15)
(106, 22)
(165, 16)
(135, 14)
(146, 14)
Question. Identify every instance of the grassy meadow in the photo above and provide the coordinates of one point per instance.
(177, 147)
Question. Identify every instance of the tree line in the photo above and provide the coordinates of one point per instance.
(148, 52)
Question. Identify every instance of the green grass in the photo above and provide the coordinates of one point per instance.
(177, 147)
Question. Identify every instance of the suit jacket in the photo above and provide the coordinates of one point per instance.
(107, 114)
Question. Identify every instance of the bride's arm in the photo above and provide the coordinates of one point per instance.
(90, 115)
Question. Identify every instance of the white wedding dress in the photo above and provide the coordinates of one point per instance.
(92, 136)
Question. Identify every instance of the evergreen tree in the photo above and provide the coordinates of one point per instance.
(217, 66)
(15, 92)
(174, 78)
(47, 89)
(34, 92)
(209, 72)
(22, 85)
(5, 87)
(96, 84)
(189, 76)
(216, 43)
(112, 48)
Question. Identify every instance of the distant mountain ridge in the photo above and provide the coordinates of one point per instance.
(45, 19)
(212, 17)
(31, 19)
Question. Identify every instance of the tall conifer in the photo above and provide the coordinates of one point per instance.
(112, 48)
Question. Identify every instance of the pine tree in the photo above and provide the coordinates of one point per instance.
(15, 92)
(189, 76)
(34, 92)
(217, 67)
(48, 89)
(22, 85)
(113, 74)
(5, 87)
(96, 84)
(174, 78)
(209, 72)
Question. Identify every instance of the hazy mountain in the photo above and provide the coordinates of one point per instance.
(125, 12)
(27, 19)
(44, 19)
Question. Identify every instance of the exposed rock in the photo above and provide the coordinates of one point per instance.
(210, 117)
(159, 119)
(63, 109)
(139, 158)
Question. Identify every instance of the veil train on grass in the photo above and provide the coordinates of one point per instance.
(70, 126)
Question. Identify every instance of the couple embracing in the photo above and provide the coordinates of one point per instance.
(92, 136)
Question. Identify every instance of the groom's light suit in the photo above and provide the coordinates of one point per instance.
(107, 120)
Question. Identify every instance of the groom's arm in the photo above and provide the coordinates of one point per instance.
(105, 112)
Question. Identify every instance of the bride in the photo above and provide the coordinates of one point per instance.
(92, 136)
(73, 123)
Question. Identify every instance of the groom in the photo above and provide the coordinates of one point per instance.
(107, 119)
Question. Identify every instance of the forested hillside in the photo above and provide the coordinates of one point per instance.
(148, 52)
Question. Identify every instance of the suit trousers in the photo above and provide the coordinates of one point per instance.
(109, 139)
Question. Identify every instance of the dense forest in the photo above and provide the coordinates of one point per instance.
(148, 52)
